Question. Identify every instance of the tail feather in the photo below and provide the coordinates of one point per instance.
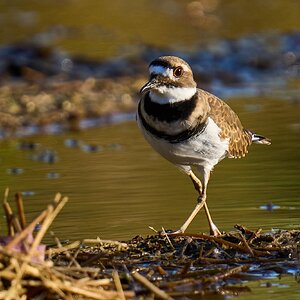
(259, 139)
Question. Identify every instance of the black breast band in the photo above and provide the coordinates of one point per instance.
(172, 138)
(170, 112)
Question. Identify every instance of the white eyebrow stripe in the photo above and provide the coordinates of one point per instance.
(167, 72)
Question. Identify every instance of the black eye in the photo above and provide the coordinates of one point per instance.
(178, 71)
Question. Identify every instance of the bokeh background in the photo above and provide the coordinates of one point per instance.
(70, 75)
(101, 29)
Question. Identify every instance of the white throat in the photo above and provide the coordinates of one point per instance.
(164, 94)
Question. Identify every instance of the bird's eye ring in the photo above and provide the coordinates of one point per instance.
(178, 71)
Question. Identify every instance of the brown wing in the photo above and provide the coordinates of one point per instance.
(231, 127)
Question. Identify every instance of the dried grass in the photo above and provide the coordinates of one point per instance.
(160, 266)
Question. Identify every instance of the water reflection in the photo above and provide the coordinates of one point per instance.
(283, 287)
(119, 191)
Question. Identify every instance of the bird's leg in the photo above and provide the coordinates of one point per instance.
(213, 228)
(202, 197)
(198, 186)
(191, 217)
(196, 181)
(201, 189)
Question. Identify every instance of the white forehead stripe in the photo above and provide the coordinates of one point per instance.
(167, 72)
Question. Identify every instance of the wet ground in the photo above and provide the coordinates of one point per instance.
(165, 265)
(195, 265)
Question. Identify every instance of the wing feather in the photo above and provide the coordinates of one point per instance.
(231, 126)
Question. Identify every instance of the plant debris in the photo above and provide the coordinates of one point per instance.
(164, 265)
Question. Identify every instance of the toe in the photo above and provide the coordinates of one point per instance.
(214, 230)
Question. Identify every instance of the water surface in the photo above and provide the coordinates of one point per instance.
(111, 28)
(118, 186)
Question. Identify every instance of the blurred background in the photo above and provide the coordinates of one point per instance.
(105, 29)
(70, 75)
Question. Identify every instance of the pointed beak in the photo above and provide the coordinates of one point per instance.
(149, 85)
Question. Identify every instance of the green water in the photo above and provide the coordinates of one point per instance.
(110, 28)
(125, 187)
(285, 287)
(117, 192)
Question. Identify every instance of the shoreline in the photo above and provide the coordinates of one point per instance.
(41, 86)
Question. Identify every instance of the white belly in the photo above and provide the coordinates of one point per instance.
(205, 149)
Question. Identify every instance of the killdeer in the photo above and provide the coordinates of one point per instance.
(190, 127)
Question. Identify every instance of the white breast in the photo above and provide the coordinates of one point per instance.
(205, 149)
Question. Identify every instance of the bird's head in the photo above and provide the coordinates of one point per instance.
(171, 80)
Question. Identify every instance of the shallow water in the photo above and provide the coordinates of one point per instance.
(285, 287)
(118, 186)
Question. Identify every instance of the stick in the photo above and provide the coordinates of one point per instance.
(153, 229)
(101, 242)
(20, 207)
(8, 215)
(12, 221)
(254, 235)
(168, 239)
(28, 229)
(47, 222)
(150, 286)
(99, 294)
(61, 249)
(228, 273)
(68, 255)
(246, 245)
(218, 240)
(161, 271)
(118, 284)
(75, 255)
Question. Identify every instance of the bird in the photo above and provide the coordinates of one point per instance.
(190, 127)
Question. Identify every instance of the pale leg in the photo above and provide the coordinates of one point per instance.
(191, 217)
(201, 189)
(198, 187)
(202, 198)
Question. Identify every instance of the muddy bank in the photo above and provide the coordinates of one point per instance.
(41, 86)
(64, 104)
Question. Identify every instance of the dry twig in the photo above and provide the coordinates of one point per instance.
(150, 286)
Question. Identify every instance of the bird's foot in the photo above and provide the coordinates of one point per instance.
(214, 230)
(171, 232)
